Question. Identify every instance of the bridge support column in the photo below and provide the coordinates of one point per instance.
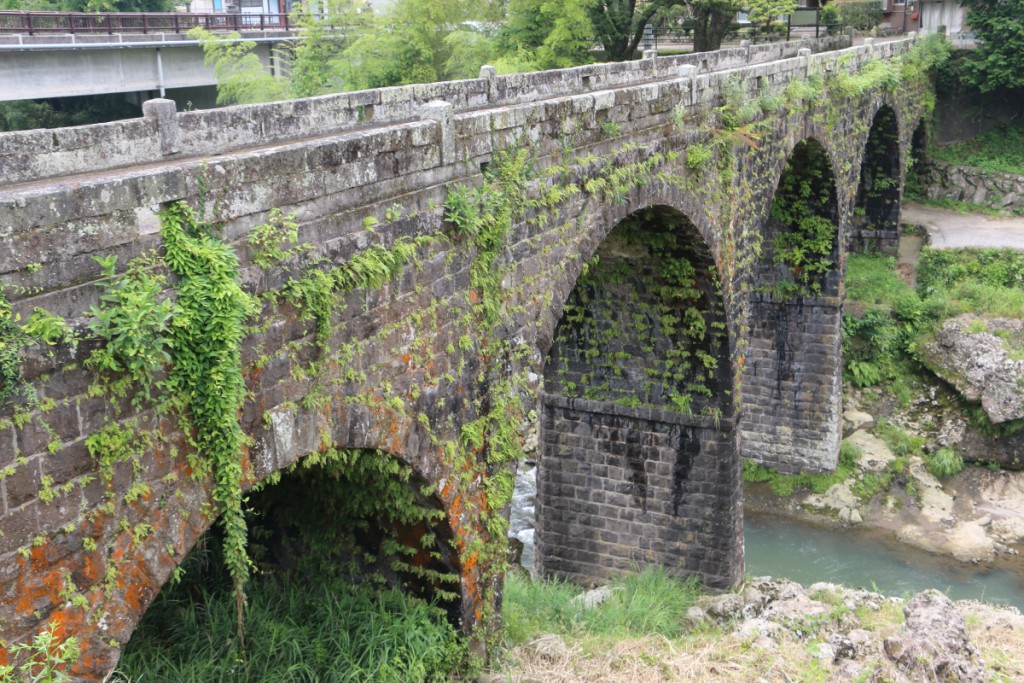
(792, 384)
(620, 488)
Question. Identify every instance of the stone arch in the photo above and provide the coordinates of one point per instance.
(792, 373)
(638, 462)
(875, 223)
(147, 566)
(599, 220)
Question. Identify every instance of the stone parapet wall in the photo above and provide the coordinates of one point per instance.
(620, 488)
(968, 184)
(26, 156)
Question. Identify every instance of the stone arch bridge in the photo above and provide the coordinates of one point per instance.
(604, 245)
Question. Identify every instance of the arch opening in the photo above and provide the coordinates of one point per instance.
(792, 377)
(876, 214)
(801, 244)
(637, 452)
(351, 550)
(917, 163)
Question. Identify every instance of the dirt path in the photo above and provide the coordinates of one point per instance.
(951, 230)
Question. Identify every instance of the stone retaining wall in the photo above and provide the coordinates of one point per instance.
(968, 184)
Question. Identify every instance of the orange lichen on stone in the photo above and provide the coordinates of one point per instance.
(34, 591)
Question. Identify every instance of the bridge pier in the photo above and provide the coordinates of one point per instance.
(792, 384)
(623, 488)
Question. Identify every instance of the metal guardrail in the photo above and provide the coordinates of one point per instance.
(36, 23)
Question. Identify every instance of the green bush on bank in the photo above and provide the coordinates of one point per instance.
(1000, 150)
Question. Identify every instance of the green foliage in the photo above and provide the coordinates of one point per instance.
(114, 443)
(785, 485)
(649, 603)
(883, 324)
(943, 268)
(134, 320)
(806, 251)
(241, 77)
(697, 156)
(267, 241)
(944, 462)
(1000, 150)
(316, 293)
(484, 215)
(999, 56)
(60, 112)
(389, 524)
(325, 630)
(552, 34)
(858, 14)
(899, 441)
(12, 340)
(803, 211)
(766, 11)
(206, 371)
(45, 659)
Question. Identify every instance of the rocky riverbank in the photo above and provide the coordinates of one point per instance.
(975, 516)
(776, 630)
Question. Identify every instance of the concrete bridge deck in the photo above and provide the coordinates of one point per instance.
(439, 365)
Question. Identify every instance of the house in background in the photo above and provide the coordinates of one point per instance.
(948, 13)
(243, 6)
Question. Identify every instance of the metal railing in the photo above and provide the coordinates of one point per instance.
(35, 23)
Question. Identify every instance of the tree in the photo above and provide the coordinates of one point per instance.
(712, 19)
(619, 24)
(549, 34)
(999, 57)
(764, 12)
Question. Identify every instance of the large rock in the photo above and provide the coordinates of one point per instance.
(968, 354)
(933, 644)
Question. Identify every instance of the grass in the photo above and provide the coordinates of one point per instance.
(785, 485)
(327, 631)
(1000, 150)
(649, 603)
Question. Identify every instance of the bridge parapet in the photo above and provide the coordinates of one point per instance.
(35, 155)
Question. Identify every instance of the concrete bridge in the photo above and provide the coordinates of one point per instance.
(595, 244)
(70, 65)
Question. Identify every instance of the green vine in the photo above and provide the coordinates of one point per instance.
(206, 371)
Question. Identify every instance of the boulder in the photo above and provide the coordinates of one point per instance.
(933, 643)
(969, 354)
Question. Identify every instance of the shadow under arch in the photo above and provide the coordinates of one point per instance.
(876, 213)
(638, 461)
(335, 519)
(792, 375)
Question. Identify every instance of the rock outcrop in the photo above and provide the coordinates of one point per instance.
(933, 645)
(974, 355)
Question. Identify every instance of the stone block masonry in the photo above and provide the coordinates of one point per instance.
(408, 366)
(792, 386)
(623, 488)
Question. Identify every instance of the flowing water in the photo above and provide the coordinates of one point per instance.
(807, 554)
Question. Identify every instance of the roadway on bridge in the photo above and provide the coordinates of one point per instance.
(951, 230)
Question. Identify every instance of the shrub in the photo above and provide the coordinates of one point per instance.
(858, 14)
(945, 462)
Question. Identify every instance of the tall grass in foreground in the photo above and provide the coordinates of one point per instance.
(648, 603)
(329, 632)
